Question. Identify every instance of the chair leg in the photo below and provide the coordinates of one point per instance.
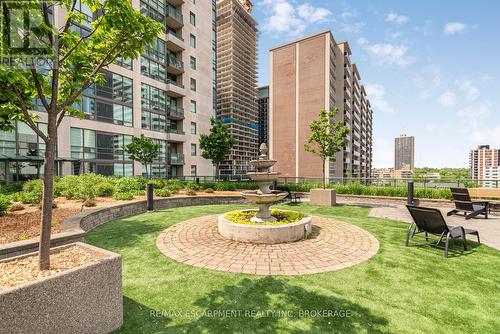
(479, 241)
(452, 212)
(408, 234)
(426, 236)
(465, 240)
(446, 245)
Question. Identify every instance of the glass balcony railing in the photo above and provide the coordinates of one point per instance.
(176, 131)
(176, 158)
(174, 62)
(174, 13)
(175, 111)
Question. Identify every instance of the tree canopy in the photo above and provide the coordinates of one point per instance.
(217, 143)
(327, 137)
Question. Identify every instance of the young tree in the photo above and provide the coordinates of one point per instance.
(327, 137)
(76, 60)
(143, 150)
(216, 144)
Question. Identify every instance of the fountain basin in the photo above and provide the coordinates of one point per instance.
(263, 176)
(265, 234)
(263, 164)
(255, 197)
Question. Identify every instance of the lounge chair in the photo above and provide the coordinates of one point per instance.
(463, 203)
(431, 221)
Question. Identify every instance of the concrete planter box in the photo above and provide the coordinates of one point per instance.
(87, 299)
(326, 197)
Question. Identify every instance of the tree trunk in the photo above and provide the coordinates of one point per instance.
(324, 177)
(45, 227)
(217, 171)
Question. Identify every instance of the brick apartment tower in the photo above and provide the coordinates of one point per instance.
(166, 94)
(484, 164)
(308, 75)
(237, 82)
(404, 152)
(263, 101)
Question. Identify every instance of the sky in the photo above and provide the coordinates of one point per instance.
(430, 68)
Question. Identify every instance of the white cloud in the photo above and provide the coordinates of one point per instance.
(454, 28)
(313, 14)
(389, 54)
(474, 117)
(469, 90)
(395, 18)
(354, 28)
(286, 18)
(487, 135)
(347, 14)
(425, 29)
(376, 94)
(448, 99)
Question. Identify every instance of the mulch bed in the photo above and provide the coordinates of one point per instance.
(25, 270)
(25, 224)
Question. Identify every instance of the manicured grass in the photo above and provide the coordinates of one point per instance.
(399, 290)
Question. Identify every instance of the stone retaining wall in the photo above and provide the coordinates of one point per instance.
(73, 229)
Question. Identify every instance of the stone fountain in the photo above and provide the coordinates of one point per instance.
(264, 197)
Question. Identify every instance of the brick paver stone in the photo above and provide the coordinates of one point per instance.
(334, 245)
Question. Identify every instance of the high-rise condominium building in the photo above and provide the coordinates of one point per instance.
(404, 152)
(263, 101)
(308, 75)
(237, 82)
(485, 164)
(164, 94)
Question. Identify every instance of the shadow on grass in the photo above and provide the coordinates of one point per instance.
(272, 305)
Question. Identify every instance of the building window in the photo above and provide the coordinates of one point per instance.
(193, 128)
(193, 170)
(193, 85)
(192, 18)
(192, 63)
(192, 40)
(193, 150)
(193, 106)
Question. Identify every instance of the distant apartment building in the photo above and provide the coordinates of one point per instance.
(263, 102)
(404, 152)
(308, 75)
(406, 172)
(237, 82)
(164, 94)
(484, 163)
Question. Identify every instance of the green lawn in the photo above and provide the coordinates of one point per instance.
(399, 290)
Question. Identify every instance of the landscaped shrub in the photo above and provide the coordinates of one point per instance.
(4, 204)
(192, 186)
(104, 189)
(130, 184)
(162, 192)
(225, 186)
(123, 196)
(173, 185)
(157, 183)
(10, 188)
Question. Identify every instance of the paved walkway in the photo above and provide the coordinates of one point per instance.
(489, 229)
(333, 245)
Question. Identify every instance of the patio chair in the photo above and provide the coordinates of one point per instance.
(294, 197)
(463, 203)
(431, 221)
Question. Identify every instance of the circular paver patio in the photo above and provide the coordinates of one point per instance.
(333, 245)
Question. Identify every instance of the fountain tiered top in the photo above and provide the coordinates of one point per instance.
(264, 197)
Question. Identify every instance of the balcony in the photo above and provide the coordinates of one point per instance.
(175, 89)
(174, 42)
(174, 17)
(175, 112)
(176, 3)
(176, 159)
(174, 65)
